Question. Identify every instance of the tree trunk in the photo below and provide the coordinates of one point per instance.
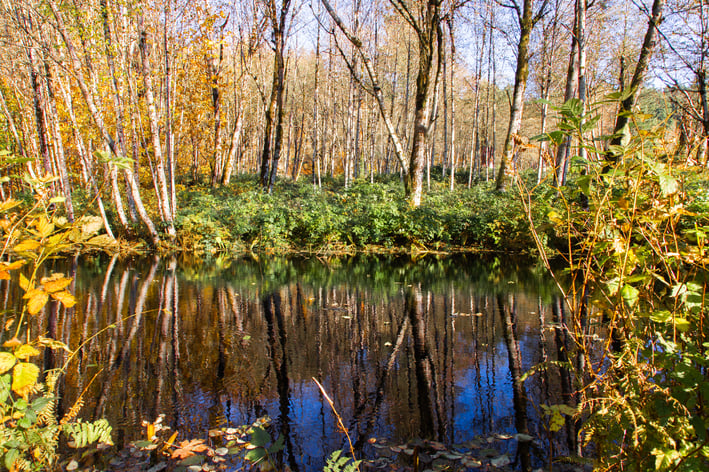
(526, 23)
(164, 200)
(620, 131)
(97, 116)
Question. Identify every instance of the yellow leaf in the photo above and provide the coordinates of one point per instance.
(9, 203)
(44, 227)
(24, 378)
(26, 351)
(170, 442)
(24, 283)
(101, 240)
(12, 265)
(36, 301)
(26, 245)
(4, 275)
(55, 285)
(150, 431)
(7, 360)
(66, 298)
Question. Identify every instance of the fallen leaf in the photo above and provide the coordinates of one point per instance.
(189, 448)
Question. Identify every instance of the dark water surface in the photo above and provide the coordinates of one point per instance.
(406, 348)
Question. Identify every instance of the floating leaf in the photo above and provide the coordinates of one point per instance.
(26, 351)
(189, 448)
(24, 378)
(7, 360)
(501, 461)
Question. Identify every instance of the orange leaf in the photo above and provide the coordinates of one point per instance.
(55, 285)
(189, 448)
(66, 298)
(36, 301)
(12, 343)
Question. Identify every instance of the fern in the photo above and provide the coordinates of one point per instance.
(84, 433)
(339, 463)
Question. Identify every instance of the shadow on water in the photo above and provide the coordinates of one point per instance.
(429, 349)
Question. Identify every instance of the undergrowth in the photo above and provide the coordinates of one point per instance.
(298, 216)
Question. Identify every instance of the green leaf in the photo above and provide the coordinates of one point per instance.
(10, 457)
(668, 184)
(192, 460)
(39, 404)
(260, 437)
(255, 455)
(630, 294)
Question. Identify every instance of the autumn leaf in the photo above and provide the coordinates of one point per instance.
(12, 343)
(9, 203)
(5, 267)
(53, 344)
(56, 284)
(25, 284)
(44, 227)
(7, 360)
(66, 298)
(24, 378)
(26, 351)
(37, 299)
(189, 448)
(26, 246)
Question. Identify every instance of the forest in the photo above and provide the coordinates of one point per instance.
(571, 133)
(132, 105)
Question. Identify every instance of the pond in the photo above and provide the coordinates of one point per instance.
(409, 349)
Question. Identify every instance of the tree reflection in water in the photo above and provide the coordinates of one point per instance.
(407, 349)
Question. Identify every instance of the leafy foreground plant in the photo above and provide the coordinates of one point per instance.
(636, 273)
(29, 428)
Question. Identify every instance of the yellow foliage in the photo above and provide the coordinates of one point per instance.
(26, 351)
(66, 298)
(55, 283)
(7, 360)
(28, 245)
(24, 378)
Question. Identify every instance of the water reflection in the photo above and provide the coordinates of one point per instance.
(433, 349)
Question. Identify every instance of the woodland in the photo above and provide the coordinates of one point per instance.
(574, 132)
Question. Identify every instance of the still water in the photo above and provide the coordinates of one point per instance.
(407, 349)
